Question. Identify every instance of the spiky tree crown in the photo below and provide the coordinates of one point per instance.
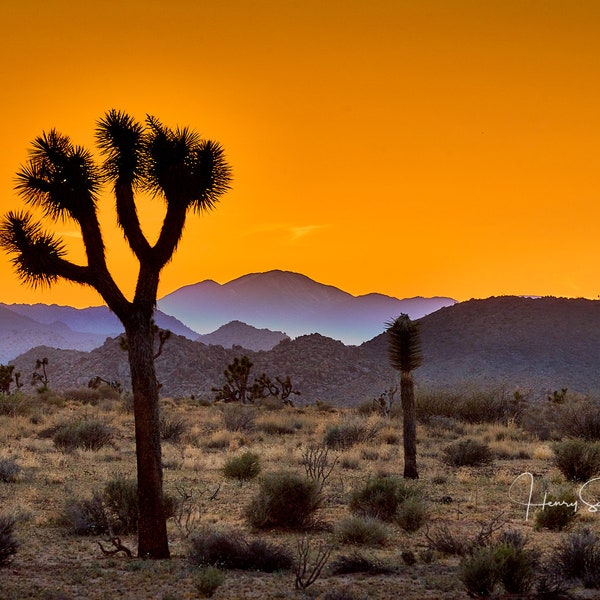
(64, 182)
(404, 344)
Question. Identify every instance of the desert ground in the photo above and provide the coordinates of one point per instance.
(46, 480)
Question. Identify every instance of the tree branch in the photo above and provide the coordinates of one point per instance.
(129, 221)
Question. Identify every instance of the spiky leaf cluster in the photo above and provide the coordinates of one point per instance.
(404, 344)
(59, 177)
(36, 254)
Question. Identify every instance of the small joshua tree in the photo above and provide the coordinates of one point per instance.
(404, 347)
(6, 378)
(40, 375)
(238, 388)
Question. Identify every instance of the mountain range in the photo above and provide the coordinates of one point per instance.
(256, 311)
(505, 343)
(291, 303)
(24, 326)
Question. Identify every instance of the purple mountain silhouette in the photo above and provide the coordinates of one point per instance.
(292, 303)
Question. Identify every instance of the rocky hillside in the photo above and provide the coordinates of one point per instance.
(237, 333)
(531, 344)
(19, 333)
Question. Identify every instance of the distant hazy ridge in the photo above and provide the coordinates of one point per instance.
(537, 344)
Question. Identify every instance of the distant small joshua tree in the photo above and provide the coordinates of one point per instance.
(404, 345)
(95, 382)
(6, 378)
(238, 388)
(40, 375)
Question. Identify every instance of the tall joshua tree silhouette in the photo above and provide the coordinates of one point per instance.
(63, 180)
(404, 346)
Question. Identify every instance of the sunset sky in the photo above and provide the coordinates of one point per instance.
(408, 147)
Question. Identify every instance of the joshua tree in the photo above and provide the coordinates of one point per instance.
(236, 389)
(404, 347)
(63, 180)
(6, 378)
(40, 375)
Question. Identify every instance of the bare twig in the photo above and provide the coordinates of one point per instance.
(308, 569)
(188, 511)
(119, 547)
(317, 465)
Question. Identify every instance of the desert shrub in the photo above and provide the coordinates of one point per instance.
(412, 514)
(343, 593)
(579, 419)
(479, 406)
(390, 437)
(171, 430)
(121, 499)
(268, 557)
(8, 543)
(380, 498)
(284, 500)
(310, 561)
(239, 418)
(201, 401)
(281, 424)
(270, 403)
(9, 470)
(349, 462)
(506, 561)
(444, 540)
(369, 454)
(467, 453)
(539, 422)
(220, 440)
(350, 432)
(576, 418)
(517, 565)
(88, 435)
(577, 459)
(85, 517)
(366, 408)
(243, 467)
(559, 511)
(323, 407)
(84, 395)
(438, 423)
(362, 531)
(223, 549)
(479, 572)
(16, 405)
(578, 557)
(208, 580)
(357, 562)
(230, 550)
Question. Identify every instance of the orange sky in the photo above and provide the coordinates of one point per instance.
(409, 147)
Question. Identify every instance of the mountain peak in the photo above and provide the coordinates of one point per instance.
(237, 333)
(287, 301)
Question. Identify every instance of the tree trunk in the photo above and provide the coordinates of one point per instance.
(409, 418)
(152, 526)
